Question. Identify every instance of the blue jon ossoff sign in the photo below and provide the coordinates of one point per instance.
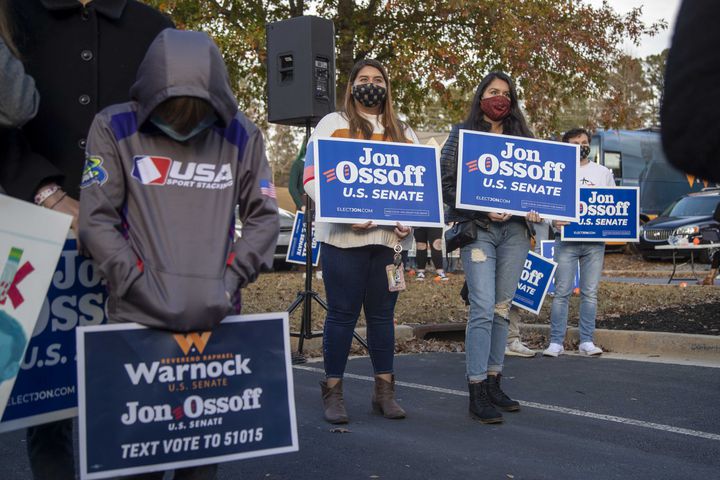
(298, 243)
(534, 283)
(151, 400)
(385, 182)
(46, 387)
(606, 214)
(506, 174)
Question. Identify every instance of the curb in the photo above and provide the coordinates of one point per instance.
(684, 345)
(402, 332)
(679, 345)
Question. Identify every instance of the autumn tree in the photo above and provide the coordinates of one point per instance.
(436, 51)
(654, 66)
(625, 102)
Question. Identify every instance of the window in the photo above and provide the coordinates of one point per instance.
(613, 161)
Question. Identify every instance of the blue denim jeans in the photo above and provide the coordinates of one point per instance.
(567, 254)
(355, 278)
(492, 264)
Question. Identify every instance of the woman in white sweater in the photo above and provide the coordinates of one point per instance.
(355, 256)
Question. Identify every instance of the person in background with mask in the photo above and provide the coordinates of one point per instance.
(182, 111)
(568, 254)
(494, 261)
(83, 56)
(355, 256)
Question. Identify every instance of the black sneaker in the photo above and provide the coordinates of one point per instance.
(498, 397)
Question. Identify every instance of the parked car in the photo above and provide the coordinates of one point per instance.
(286, 224)
(687, 216)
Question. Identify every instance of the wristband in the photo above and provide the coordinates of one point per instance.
(52, 207)
(45, 193)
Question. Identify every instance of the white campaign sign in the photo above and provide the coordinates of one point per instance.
(31, 239)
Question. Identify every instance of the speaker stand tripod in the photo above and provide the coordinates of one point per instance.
(306, 297)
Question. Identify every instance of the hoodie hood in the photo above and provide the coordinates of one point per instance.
(183, 63)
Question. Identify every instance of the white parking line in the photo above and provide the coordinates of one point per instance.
(542, 406)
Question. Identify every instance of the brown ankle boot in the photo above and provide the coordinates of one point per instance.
(709, 278)
(383, 400)
(333, 403)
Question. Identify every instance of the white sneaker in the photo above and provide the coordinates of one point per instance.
(518, 349)
(420, 276)
(554, 350)
(589, 348)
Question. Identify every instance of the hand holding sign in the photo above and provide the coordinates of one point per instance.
(499, 217)
(402, 231)
(359, 227)
(533, 217)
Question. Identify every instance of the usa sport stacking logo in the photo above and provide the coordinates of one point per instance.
(152, 170)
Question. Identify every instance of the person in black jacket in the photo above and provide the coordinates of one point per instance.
(689, 110)
(494, 260)
(83, 55)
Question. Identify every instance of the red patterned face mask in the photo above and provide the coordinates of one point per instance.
(496, 108)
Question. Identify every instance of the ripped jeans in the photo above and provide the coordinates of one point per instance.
(492, 264)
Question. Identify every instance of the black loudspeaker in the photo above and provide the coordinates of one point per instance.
(301, 70)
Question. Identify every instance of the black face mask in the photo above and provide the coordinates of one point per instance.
(584, 151)
(369, 94)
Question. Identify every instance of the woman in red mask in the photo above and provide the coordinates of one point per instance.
(494, 261)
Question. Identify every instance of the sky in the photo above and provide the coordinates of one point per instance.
(653, 10)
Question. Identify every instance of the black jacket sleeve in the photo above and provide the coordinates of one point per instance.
(20, 166)
(448, 167)
(691, 100)
(448, 180)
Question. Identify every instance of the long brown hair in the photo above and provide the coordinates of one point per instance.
(394, 128)
(6, 31)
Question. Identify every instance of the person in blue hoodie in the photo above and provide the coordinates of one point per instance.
(163, 178)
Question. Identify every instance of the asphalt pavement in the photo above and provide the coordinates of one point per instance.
(582, 418)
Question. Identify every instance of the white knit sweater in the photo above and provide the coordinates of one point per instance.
(342, 235)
